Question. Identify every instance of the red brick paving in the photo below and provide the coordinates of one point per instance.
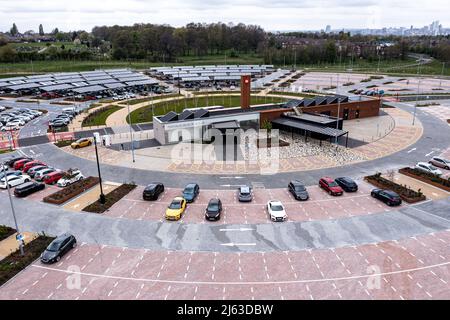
(406, 269)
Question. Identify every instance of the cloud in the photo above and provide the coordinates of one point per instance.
(271, 15)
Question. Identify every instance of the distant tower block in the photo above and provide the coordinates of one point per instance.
(245, 91)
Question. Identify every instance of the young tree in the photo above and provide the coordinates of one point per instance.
(14, 31)
(41, 30)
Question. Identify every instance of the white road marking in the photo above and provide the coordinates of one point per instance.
(243, 282)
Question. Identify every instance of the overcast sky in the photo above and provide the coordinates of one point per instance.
(271, 15)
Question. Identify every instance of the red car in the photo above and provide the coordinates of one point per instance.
(53, 177)
(32, 164)
(18, 165)
(329, 185)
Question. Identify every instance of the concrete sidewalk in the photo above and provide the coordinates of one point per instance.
(11, 245)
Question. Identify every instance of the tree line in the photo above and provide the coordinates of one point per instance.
(164, 43)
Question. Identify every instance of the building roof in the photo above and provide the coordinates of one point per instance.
(330, 132)
(95, 88)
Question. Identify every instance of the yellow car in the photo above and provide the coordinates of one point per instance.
(80, 143)
(176, 209)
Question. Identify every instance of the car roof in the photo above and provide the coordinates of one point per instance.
(275, 202)
(214, 200)
(297, 182)
(391, 193)
(329, 179)
(346, 179)
(191, 185)
(178, 199)
(244, 189)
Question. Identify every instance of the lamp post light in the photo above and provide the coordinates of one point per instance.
(102, 198)
(131, 132)
(12, 208)
(417, 95)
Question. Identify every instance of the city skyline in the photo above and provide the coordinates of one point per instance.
(286, 15)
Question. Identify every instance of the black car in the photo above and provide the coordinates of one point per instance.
(58, 248)
(347, 184)
(298, 190)
(11, 161)
(152, 191)
(245, 194)
(191, 192)
(28, 188)
(213, 210)
(387, 196)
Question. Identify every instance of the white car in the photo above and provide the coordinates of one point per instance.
(71, 177)
(15, 121)
(276, 211)
(429, 168)
(41, 173)
(10, 127)
(14, 181)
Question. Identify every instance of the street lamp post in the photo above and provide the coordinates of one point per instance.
(131, 131)
(102, 198)
(417, 95)
(12, 208)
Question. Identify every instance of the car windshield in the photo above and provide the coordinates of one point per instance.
(176, 204)
(299, 188)
(213, 206)
(432, 167)
(276, 207)
(189, 190)
(333, 184)
(54, 246)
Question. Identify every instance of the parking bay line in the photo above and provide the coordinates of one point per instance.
(363, 276)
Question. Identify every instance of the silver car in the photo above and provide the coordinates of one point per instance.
(440, 162)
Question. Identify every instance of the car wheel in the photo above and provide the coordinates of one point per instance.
(447, 168)
(330, 193)
(74, 245)
(58, 258)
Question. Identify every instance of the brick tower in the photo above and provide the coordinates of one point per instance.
(245, 91)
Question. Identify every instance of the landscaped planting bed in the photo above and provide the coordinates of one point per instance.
(407, 194)
(71, 191)
(5, 232)
(14, 263)
(111, 198)
(63, 143)
(426, 177)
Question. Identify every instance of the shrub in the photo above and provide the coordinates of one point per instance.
(71, 191)
(111, 198)
(406, 193)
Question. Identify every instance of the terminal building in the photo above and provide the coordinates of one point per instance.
(320, 117)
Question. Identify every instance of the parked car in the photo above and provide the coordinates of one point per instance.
(39, 175)
(298, 190)
(440, 162)
(28, 188)
(27, 166)
(276, 211)
(191, 192)
(13, 181)
(213, 210)
(53, 177)
(18, 165)
(10, 173)
(347, 184)
(389, 197)
(80, 143)
(71, 176)
(330, 186)
(58, 248)
(176, 209)
(245, 194)
(428, 168)
(10, 162)
(10, 127)
(152, 191)
(35, 169)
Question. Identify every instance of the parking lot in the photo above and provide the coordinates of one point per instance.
(413, 268)
(320, 205)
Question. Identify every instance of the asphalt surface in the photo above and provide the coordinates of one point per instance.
(92, 228)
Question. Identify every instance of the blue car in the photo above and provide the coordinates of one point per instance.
(191, 192)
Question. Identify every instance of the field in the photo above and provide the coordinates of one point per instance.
(73, 65)
(99, 118)
(145, 114)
